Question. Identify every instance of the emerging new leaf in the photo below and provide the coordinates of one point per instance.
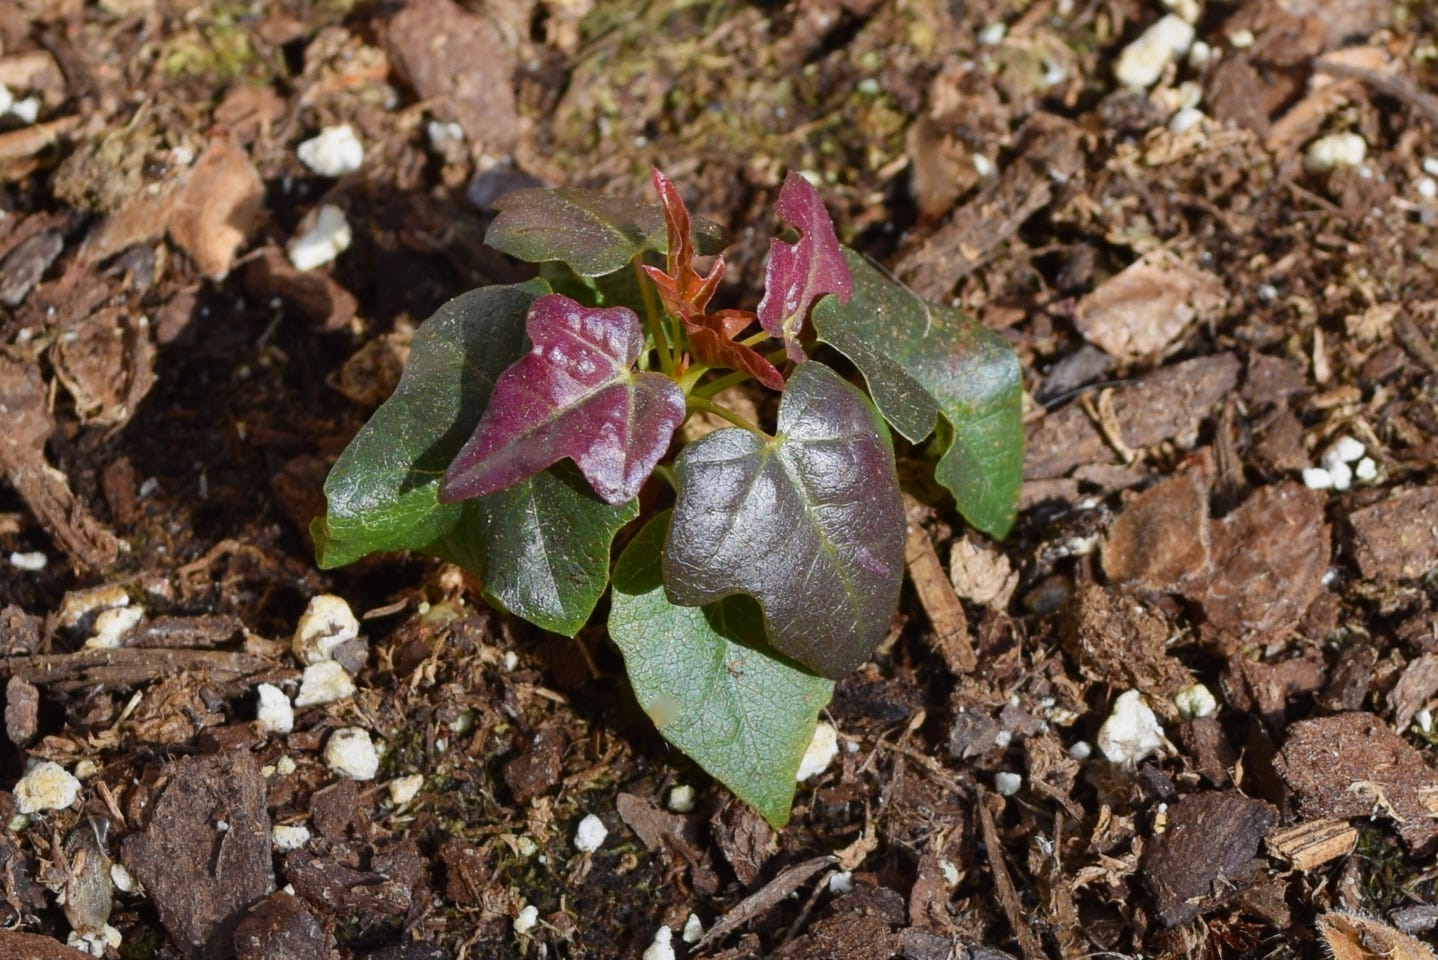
(684, 291)
(707, 680)
(920, 360)
(800, 273)
(574, 395)
(807, 522)
(686, 295)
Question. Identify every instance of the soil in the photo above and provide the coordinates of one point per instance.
(1232, 383)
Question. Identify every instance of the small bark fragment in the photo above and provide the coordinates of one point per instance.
(283, 927)
(1147, 306)
(1397, 538)
(1353, 765)
(204, 856)
(950, 633)
(1311, 844)
(1205, 855)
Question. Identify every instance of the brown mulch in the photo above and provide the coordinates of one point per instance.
(1231, 360)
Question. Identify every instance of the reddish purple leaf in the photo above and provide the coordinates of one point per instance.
(800, 273)
(711, 337)
(684, 291)
(686, 294)
(576, 395)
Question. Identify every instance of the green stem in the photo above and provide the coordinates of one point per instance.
(654, 320)
(720, 384)
(666, 473)
(694, 403)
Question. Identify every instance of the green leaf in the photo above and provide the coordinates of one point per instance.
(541, 547)
(921, 360)
(807, 522)
(592, 232)
(383, 490)
(704, 677)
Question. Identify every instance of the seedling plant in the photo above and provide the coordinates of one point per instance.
(533, 421)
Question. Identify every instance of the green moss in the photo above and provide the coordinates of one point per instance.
(218, 46)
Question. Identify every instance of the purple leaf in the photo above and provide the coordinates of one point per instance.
(574, 395)
(808, 522)
(800, 273)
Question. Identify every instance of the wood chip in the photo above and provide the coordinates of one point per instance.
(1268, 558)
(1009, 901)
(1353, 765)
(1418, 682)
(1148, 305)
(459, 61)
(204, 856)
(1047, 148)
(127, 667)
(1161, 537)
(950, 633)
(1205, 855)
(1397, 537)
(1169, 404)
(1311, 844)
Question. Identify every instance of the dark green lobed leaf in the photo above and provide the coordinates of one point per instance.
(382, 492)
(592, 232)
(920, 360)
(541, 548)
(808, 522)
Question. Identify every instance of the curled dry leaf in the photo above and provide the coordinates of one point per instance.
(980, 574)
(1352, 936)
(221, 202)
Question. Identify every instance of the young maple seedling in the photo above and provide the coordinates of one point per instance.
(530, 416)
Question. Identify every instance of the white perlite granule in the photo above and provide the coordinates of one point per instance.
(590, 835)
(350, 752)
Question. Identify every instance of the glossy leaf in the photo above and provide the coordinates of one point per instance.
(593, 233)
(383, 491)
(807, 522)
(540, 548)
(573, 395)
(712, 339)
(799, 273)
(686, 294)
(919, 360)
(704, 677)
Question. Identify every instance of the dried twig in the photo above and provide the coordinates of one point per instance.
(1004, 885)
(767, 896)
(1391, 84)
